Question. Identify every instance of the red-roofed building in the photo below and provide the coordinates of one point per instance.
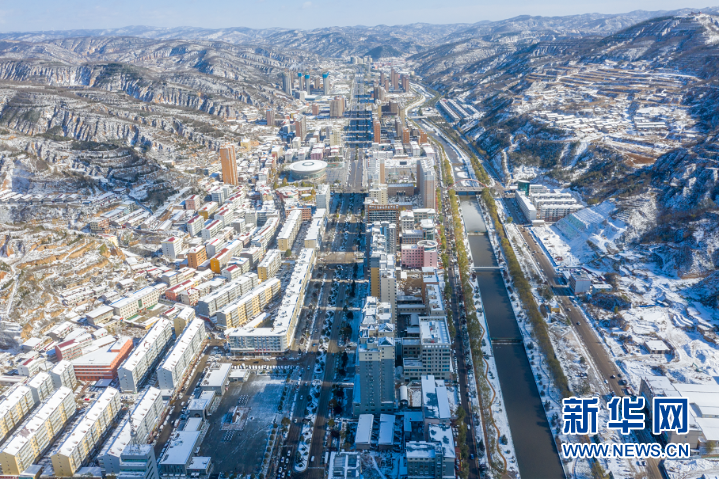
(104, 362)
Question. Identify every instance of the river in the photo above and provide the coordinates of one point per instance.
(537, 456)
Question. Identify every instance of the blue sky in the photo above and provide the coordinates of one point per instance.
(33, 15)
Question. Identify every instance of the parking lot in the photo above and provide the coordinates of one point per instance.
(242, 451)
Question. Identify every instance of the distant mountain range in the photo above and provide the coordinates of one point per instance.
(361, 40)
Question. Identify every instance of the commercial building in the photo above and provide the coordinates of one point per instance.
(138, 461)
(63, 375)
(217, 379)
(435, 403)
(278, 337)
(248, 306)
(363, 434)
(420, 255)
(337, 107)
(702, 414)
(432, 356)
(377, 213)
(37, 433)
(137, 365)
(228, 160)
(344, 465)
(179, 454)
(104, 362)
(270, 264)
(145, 417)
(541, 203)
(14, 408)
(300, 125)
(424, 460)
(173, 369)
(310, 170)
(580, 282)
(87, 434)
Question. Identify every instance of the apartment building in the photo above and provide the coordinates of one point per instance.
(248, 306)
(194, 225)
(209, 304)
(84, 438)
(172, 247)
(196, 256)
(270, 264)
(38, 432)
(173, 369)
(63, 375)
(41, 386)
(288, 233)
(278, 337)
(13, 409)
(374, 382)
(137, 365)
(145, 418)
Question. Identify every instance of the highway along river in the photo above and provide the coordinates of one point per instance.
(533, 442)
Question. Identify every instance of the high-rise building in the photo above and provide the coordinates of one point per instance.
(377, 132)
(374, 379)
(405, 83)
(300, 81)
(394, 78)
(405, 135)
(229, 164)
(379, 193)
(337, 107)
(287, 83)
(323, 196)
(315, 109)
(270, 117)
(307, 82)
(375, 361)
(379, 93)
(427, 184)
(422, 137)
(301, 127)
(382, 78)
(326, 83)
(336, 138)
(137, 461)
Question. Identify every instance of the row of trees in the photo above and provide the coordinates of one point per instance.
(524, 290)
(475, 332)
